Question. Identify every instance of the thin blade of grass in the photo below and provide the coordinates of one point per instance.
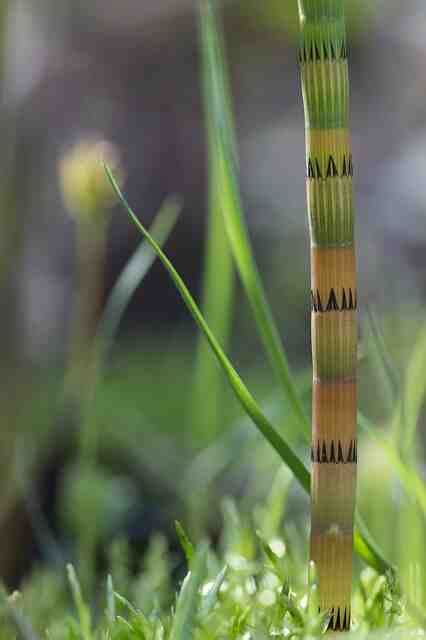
(187, 603)
(211, 597)
(244, 396)
(82, 608)
(110, 608)
(220, 125)
(185, 542)
(366, 551)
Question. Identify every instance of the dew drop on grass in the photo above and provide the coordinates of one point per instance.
(278, 547)
(267, 598)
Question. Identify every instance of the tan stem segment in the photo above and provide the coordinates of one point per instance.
(325, 83)
(334, 444)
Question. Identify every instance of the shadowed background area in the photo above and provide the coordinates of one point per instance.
(129, 72)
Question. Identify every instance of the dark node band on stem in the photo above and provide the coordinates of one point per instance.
(340, 619)
(334, 452)
(347, 301)
(332, 170)
(322, 52)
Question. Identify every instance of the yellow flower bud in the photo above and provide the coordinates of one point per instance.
(85, 189)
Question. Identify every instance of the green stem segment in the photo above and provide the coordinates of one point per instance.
(325, 84)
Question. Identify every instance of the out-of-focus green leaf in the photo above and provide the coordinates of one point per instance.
(409, 477)
(135, 270)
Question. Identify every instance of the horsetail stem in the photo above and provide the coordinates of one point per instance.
(325, 86)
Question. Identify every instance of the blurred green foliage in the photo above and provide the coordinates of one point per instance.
(279, 15)
(252, 586)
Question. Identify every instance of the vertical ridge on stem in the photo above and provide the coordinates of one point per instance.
(323, 57)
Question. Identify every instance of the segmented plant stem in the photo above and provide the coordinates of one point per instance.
(325, 85)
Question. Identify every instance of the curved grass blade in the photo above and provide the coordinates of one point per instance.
(244, 396)
(220, 127)
(365, 550)
(135, 270)
(187, 603)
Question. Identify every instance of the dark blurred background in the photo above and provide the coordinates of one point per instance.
(129, 72)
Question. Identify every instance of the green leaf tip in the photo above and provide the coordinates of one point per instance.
(185, 542)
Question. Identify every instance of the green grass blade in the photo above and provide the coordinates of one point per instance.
(244, 396)
(220, 125)
(82, 608)
(368, 549)
(110, 598)
(249, 404)
(187, 603)
(185, 542)
(211, 597)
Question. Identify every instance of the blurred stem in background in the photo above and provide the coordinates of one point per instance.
(87, 197)
(90, 493)
(91, 248)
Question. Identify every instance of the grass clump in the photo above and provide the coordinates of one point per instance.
(251, 585)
